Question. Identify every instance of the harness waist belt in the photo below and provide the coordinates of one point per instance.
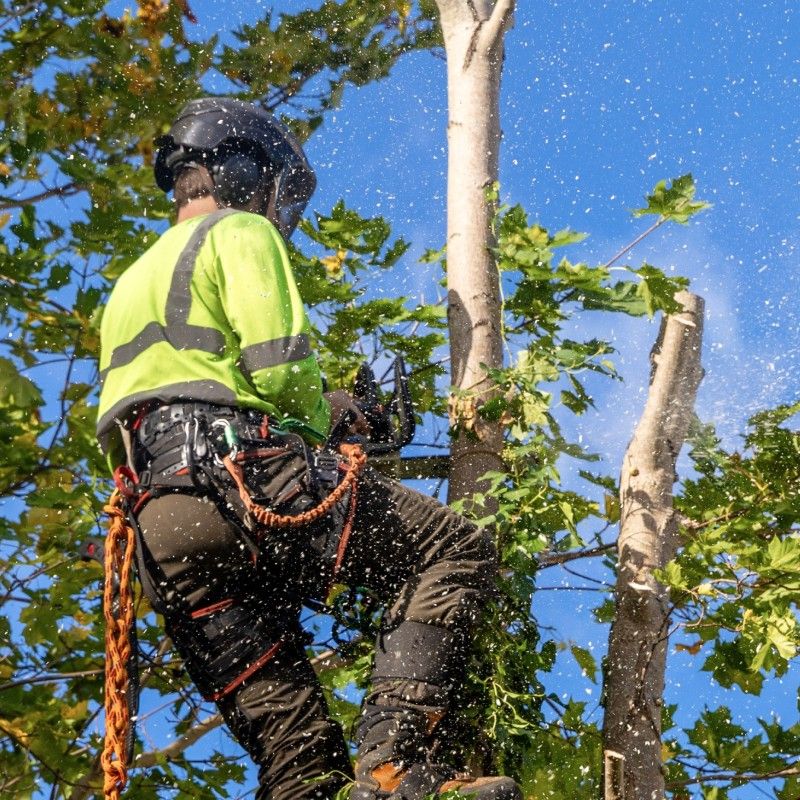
(167, 418)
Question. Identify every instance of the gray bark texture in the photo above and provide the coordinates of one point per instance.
(473, 33)
(634, 674)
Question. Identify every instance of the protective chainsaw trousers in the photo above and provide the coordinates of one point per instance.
(431, 568)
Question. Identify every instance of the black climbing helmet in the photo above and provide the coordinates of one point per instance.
(242, 146)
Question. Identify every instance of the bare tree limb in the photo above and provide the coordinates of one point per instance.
(548, 559)
(648, 539)
(743, 777)
(498, 23)
(54, 678)
(193, 735)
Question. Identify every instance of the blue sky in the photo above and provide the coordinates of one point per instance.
(599, 102)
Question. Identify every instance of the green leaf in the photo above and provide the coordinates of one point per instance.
(586, 662)
(657, 290)
(675, 203)
(16, 390)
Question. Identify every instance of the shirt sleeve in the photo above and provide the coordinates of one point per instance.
(263, 306)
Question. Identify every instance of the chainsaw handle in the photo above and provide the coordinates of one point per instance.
(392, 425)
(402, 406)
(386, 436)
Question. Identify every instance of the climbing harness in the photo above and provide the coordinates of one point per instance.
(356, 460)
(224, 450)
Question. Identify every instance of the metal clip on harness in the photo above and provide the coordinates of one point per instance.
(227, 442)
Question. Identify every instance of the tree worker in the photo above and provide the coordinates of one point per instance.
(207, 374)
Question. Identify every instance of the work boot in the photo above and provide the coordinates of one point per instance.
(392, 760)
(392, 782)
(416, 666)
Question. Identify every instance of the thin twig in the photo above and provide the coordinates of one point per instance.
(552, 559)
(657, 224)
(67, 190)
(50, 678)
(189, 738)
(18, 583)
(786, 772)
(570, 589)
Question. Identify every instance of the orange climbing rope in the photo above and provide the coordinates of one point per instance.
(356, 459)
(119, 615)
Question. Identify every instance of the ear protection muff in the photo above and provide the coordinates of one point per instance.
(237, 177)
(270, 165)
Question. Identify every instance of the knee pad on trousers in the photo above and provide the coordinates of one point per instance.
(419, 652)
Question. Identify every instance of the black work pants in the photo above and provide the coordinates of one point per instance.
(427, 564)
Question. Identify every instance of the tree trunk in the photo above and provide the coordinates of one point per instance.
(473, 35)
(637, 651)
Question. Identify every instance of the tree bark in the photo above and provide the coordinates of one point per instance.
(473, 33)
(634, 675)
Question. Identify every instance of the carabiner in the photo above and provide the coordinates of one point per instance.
(126, 480)
(230, 439)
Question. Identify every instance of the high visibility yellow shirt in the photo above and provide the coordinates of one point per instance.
(210, 313)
